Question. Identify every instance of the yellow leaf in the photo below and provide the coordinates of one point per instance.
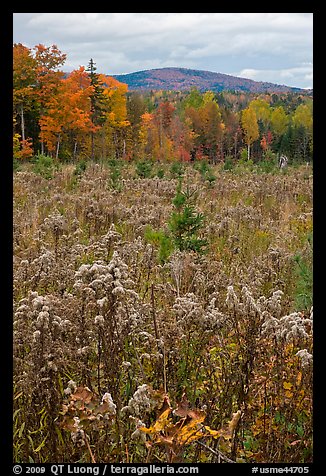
(161, 423)
(248, 454)
(190, 431)
(149, 430)
(213, 433)
(287, 385)
(227, 430)
(162, 420)
(299, 378)
(190, 437)
(235, 419)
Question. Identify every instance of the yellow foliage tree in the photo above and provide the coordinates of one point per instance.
(250, 127)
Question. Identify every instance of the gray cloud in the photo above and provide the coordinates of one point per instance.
(221, 42)
(303, 73)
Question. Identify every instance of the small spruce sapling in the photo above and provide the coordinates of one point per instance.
(185, 222)
(144, 169)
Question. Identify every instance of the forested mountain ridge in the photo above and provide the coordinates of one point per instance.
(182, 79)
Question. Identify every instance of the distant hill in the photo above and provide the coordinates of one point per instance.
(181, 79)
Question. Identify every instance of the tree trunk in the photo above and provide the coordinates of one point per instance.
(304, 146)
(248, 151)
(75, 150)
(103, 139)
(58, 146)
(22, 121)
(42, 144)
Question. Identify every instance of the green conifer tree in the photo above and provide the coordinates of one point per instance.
(185, 222)
(97, 101)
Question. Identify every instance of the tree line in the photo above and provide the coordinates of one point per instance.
(87, 115)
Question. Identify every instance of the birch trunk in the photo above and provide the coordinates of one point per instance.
(75, 150)
(58, 146)
(22, 121)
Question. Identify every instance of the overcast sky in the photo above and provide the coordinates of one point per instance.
(275, 47)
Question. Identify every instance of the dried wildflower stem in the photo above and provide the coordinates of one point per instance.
(148, 273)
(127, 453)
(99, 353)
(149, 452)
(216, 453)
(154, 316)
(164, 370)
(138, 358)
(89, 450)
(157, 336)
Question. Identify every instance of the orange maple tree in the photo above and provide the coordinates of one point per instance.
(68, 111)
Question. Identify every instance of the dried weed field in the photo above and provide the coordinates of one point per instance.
(165, 318)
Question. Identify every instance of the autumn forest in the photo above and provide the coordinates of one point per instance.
(87, 115)
(162, 285)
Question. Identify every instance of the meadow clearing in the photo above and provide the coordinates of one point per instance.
(162, 313)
